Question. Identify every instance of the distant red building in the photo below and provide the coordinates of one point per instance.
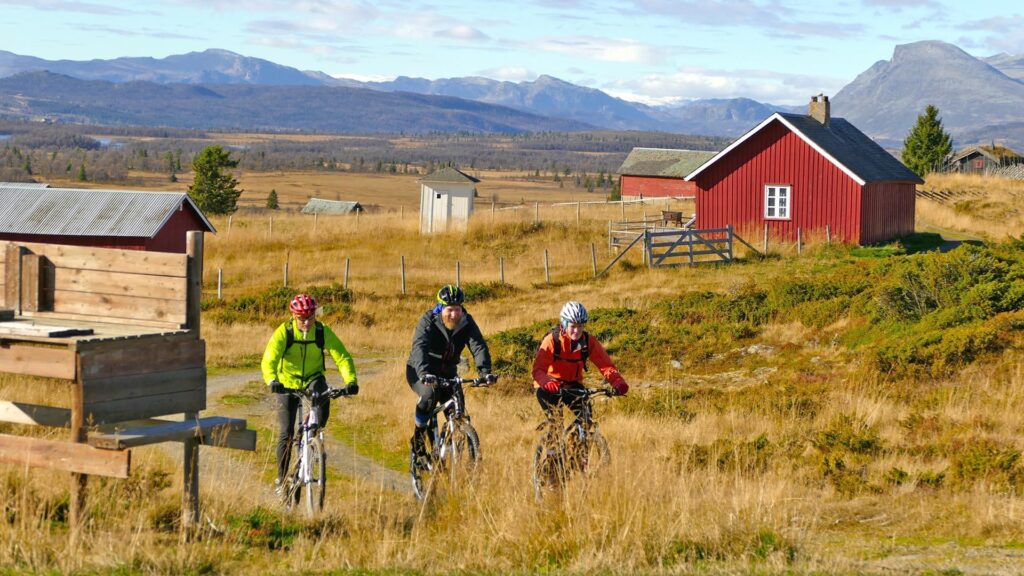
(659, 172)
(794, 171)
(131, 220)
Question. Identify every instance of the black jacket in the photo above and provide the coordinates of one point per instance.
(436, 351)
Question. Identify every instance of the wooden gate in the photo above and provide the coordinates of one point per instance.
(678, 247)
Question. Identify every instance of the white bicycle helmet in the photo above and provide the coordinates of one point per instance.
(573, 312)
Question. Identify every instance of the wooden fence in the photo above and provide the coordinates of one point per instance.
(678, 247)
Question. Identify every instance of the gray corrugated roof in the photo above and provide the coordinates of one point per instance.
(321, 206)
(853, 149)
(79, 212)
(663, 162)
(448, 175)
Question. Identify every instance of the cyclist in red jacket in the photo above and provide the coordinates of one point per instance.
(562, 359)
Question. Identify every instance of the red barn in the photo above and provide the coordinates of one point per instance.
(808, 172)
(659, 172)
(151, 221)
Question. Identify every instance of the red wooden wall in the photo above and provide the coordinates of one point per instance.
(657, 187)
(887, 210)
(731, 191)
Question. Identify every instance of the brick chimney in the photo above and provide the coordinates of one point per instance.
(819, 109)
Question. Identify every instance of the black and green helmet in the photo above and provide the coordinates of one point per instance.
(451, 295)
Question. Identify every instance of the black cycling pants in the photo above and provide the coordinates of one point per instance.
(430, 396)
(288, 409)
(552, 402)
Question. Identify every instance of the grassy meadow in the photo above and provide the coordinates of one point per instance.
(843, 410)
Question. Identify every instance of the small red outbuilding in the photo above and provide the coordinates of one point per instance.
(793, 172)
(659, 172)
(131, 220)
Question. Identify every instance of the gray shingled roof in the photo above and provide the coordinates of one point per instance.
(663, 162)
(321, 206)
(843, 143)
(448, 175)
(31, 209)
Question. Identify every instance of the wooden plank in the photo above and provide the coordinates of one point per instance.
(99, 319)
(12, 277)
(111, 259)
(38, 361)
(194, 248)
(242, 439)
(34, 414)
(62, 455)
(21, 328)
(166, 431)
(119, 283)
(133, 307)
(143, 385)
(160, 353)
(145, 407)
(30, 287)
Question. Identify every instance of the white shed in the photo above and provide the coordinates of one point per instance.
(446, 200)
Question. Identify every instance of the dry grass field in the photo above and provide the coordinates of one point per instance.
(761, 445)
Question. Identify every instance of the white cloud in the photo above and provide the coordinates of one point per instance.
(1004, 33)
(461, 32)
(604, 49)
(70, 6)
(692, 83)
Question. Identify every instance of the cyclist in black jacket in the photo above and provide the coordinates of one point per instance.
(441, 335)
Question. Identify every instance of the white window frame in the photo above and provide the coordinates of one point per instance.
(778, 201)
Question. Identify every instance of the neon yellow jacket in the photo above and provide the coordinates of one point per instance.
(303, 361)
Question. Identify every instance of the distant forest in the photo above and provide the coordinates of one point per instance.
(37, 151)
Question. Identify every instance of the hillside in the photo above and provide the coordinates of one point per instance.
(972, 97)
(234, 106)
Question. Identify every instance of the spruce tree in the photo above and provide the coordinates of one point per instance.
(272, 200)
(214, 191)
(928, 143)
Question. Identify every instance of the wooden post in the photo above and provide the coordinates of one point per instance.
(689, 238)
(190, 484)
(458, 273)
(547, 269)
(593, 258)
(501, 268)
(577, 213)
(828, 234)
(76, 507)
(270, 234)
(622, 208)
(194, 251)
(315, 214)
(346, 274)
(403, 275)
(645, 252)
(799, 241)
(492, 208)
(536, 212)
(220, 283)
(229, 224)
(401, 212)
(766, 239)
(729, 228)
(285, 273)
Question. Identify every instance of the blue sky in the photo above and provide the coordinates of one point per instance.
(655, 51)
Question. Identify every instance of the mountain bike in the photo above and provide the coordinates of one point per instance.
(579, 448)
(308, 473)
(450, 451)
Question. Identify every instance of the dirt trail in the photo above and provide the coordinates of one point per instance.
(245, 473)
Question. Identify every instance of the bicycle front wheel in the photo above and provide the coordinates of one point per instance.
(460, 452)
(316, 484)
(587, 452)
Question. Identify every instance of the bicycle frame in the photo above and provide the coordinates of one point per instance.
(560, 452)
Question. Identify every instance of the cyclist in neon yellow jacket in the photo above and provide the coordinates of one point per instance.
(294, 360)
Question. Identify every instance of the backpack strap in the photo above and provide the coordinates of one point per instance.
(556, 341)
(319, 339)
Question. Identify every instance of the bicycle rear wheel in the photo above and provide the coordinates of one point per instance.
(316, 486)
(420, 468)
(292, 493)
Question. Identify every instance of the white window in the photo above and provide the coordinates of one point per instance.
(777, 201)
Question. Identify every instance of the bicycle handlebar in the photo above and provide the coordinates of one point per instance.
(314, 395)
(473, 382)
(588, 392)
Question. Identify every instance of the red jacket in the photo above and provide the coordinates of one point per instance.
(569, 368)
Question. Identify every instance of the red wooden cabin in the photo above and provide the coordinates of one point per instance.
(659, 172)
(793, 172)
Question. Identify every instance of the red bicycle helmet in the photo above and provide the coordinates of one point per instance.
(303, 305)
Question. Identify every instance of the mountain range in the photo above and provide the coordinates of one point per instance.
(979, 99)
